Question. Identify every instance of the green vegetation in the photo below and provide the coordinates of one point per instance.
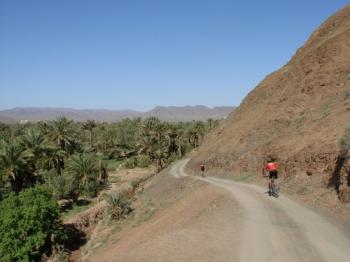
(244, 176)
(75, 208)
(119, 206)
(112, 164)
(29, 222)
(325, 113)
(67, 161)
(345, 141)
(299, 121)
(114, 179)
(346, 94)
(303, 190)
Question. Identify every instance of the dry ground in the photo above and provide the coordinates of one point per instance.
(212, 219)
(190, 221)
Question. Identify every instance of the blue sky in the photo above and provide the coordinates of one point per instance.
(139, 54)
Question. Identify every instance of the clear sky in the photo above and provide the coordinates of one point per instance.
(135, 54)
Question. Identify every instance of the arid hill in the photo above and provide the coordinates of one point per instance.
(297, 115)
(4, 119)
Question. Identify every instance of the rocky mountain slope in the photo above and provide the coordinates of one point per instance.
(297, 115)
(187, 113)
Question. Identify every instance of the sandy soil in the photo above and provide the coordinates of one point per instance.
(193, 222)
(213, 219)
(280, 229)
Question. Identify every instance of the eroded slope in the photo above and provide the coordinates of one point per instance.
(297, 114)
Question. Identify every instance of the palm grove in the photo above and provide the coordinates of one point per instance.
(41, 163)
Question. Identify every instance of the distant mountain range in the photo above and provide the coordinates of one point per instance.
(171, 113)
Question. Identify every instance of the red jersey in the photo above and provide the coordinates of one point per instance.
(271, 166)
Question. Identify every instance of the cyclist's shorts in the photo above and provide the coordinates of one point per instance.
(273, 174)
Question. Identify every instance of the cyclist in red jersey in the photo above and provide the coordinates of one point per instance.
(271, 168)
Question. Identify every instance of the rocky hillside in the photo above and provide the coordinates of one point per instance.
(172, 113)
(297, 114)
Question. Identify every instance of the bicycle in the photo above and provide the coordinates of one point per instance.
(203, 173)
(273, 189)
(202, 169)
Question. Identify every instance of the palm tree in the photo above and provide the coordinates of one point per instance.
(179, 139)
(53, 158)
(43, 127)
(60, 132)
(34, 142)
(14, 164)
(151, 126)
(156, 141)
(145, 146)
(196, 133)
(160, 156)
(127, 133)
(106, 138)
(84, 167)
(90, 125)
(5, 131)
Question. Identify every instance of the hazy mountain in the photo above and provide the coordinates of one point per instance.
(171, 113)
(188, 113)
(4, 119)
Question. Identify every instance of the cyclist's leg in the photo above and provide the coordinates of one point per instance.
(276, 185)
(270, 186)
(275, 181)
(275, 189)
(273, 184)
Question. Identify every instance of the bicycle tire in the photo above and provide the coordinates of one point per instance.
(274, 190)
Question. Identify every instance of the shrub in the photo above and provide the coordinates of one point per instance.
(173, 158)
(111, 165)
(130, 163)
(119, 206)
(346, 94)
(143, 161)
(137, 181)
(5, 188)
(27, 222)
(139, 161)
(345, 141)
(62, 186)
(91, 188)
(62, 255)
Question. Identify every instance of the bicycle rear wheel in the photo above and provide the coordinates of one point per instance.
(274, 190)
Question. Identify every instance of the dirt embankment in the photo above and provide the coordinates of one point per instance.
(174, 220)
(86, 224)
(297, 114)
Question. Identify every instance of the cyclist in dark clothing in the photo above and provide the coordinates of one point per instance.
(202, 166)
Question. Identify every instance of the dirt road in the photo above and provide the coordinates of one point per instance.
(279, 229)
